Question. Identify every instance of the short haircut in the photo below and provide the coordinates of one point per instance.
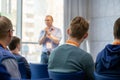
(117, 29)
(79, 26)
(50, 17)
(13, 44)
(5, 25)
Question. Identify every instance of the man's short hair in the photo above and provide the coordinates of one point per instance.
(50, 17)
(79, 26)
(5, 25)
(117, 29)
(14, 42)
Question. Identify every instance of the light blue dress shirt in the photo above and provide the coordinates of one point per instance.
(55, 32)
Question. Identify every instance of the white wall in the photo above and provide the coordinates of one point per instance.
(101, 15)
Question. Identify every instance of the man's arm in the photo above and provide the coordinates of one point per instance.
(41, 40)
(56, 39)
(42, 37)
(53, 38)
(28, 71)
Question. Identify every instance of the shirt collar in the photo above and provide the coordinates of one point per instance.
(3, 46)
(72, 43)
(116, 42)
(52, 28)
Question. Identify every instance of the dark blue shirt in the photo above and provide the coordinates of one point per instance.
(20, 59)
(48, 44)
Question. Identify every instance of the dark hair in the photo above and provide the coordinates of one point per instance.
(79, 26)
(117, 29)
(5, 25)
(13, 44)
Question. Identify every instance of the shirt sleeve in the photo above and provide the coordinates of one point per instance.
(58, 34)
(27, 67)
(12, 68)
(42, 33)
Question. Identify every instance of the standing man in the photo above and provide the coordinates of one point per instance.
(49, 38)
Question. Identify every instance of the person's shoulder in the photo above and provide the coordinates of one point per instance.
(5, 54)
(59, 48)
(84, 53)
(103, 50)
(56, 28)
(21, 57)
(17, 55)
(42, 30)
(2, 50)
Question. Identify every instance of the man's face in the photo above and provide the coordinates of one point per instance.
(10, 34)
(48, 21)
(19, 46)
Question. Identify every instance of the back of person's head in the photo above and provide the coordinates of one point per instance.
(117, 29)
(14, 43)
(79, 27)
(5, 27)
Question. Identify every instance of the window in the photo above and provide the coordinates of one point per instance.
(34, 12)
(9, 8)
(27, 17)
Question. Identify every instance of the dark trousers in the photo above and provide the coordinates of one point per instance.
(44, 57)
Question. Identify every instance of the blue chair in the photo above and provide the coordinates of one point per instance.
(106, 77)
(67, 76)
(39, 71)
(22, 70)
(44, 79)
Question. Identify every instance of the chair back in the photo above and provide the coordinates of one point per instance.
(67, 76)
(106, 77)
(39, 71)
(44, 79)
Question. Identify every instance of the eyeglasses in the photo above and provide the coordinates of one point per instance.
(48, 20)
(11, 30)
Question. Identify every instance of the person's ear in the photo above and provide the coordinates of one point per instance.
(68, 31)
(10, 33)
(85, 36)
(17, 46)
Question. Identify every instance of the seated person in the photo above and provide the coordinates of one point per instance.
(4, 75)
(108, 60)
(69, 57)
(6, 57)
(15, 46)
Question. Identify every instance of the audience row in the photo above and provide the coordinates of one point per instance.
(65, 58)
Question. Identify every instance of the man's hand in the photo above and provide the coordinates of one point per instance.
(48, 33)
(50, 36)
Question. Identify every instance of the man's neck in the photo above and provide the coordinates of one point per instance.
(16, 51)
(3, 44)
(75, 40)
(116, 42)
(49, 26)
